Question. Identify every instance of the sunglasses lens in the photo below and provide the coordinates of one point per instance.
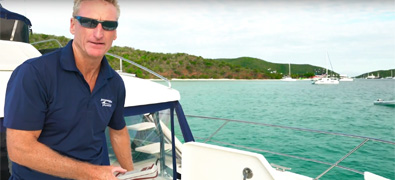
(109, 25)
(87, 22)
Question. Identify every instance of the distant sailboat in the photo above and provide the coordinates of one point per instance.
(288, 78)
(390, 77)
(326, 79)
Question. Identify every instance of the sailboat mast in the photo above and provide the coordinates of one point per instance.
(329, 61)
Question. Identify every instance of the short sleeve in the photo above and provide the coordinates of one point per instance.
(25, 105)
(117, 121)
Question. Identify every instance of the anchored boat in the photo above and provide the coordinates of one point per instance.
(288, 78)
(326, 80)
(384, 103)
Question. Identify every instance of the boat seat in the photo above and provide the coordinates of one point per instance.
(141, 126)
(153, 148)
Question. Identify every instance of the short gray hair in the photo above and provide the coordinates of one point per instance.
(77, 3)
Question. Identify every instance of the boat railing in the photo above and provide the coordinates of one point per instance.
(139, 66)
(120, 61)
(332, 165)
(48, 40)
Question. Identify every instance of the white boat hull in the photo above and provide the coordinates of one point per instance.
(384, 103)
(326, 81)
(346, 79)
(288, 79)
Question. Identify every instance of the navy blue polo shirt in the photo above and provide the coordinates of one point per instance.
(49, 93)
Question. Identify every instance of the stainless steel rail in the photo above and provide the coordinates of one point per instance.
(120, 63)
(49, 40)
(140, 66)
(295, 128)
(332, 165)
(344, 157)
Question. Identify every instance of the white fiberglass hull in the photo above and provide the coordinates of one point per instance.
(384, 103)
(347, 79)
(326, 81)
(288, 79)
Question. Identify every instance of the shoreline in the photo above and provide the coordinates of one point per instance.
(224, 79)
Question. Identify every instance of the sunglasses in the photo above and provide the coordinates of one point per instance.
(92, 23)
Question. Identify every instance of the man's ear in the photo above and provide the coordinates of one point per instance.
(72, 26)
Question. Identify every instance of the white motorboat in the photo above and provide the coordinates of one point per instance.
(384, 103)
(372, 77)
(163, 145)
(345, 78)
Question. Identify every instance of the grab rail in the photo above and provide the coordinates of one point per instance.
(140, 66)
(332, 165)
(48, 40)
(294, 128)
(120, 63)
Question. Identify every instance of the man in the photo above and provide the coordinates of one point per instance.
(58, 105)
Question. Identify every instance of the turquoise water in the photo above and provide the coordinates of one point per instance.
(345, 108)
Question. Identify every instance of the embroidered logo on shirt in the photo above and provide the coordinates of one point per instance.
(106, 102)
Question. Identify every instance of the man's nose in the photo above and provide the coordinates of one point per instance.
(98, 31)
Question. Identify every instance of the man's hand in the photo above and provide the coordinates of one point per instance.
(104, 173)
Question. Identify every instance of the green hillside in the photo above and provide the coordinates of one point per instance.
(297, 70)
(380, 73)
(185, 66)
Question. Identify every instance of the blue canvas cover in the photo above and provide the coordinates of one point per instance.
(6, 14)
(13, 26)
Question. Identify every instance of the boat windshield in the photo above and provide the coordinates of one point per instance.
(150, 139)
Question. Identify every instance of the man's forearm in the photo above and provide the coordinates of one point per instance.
(24, 149)
(120, 142)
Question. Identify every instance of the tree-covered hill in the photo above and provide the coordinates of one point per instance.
(379, 73)
(179, 65)
(276, 69)
(185, 66)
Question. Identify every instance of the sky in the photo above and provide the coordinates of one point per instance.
(358, 36)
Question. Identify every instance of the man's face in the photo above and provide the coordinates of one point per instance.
(95, 42)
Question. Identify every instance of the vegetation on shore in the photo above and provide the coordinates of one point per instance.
(379, 74)
(185, 66)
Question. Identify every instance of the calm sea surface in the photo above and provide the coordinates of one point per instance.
(345, 108)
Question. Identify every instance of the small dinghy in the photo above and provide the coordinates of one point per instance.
(384, 103)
